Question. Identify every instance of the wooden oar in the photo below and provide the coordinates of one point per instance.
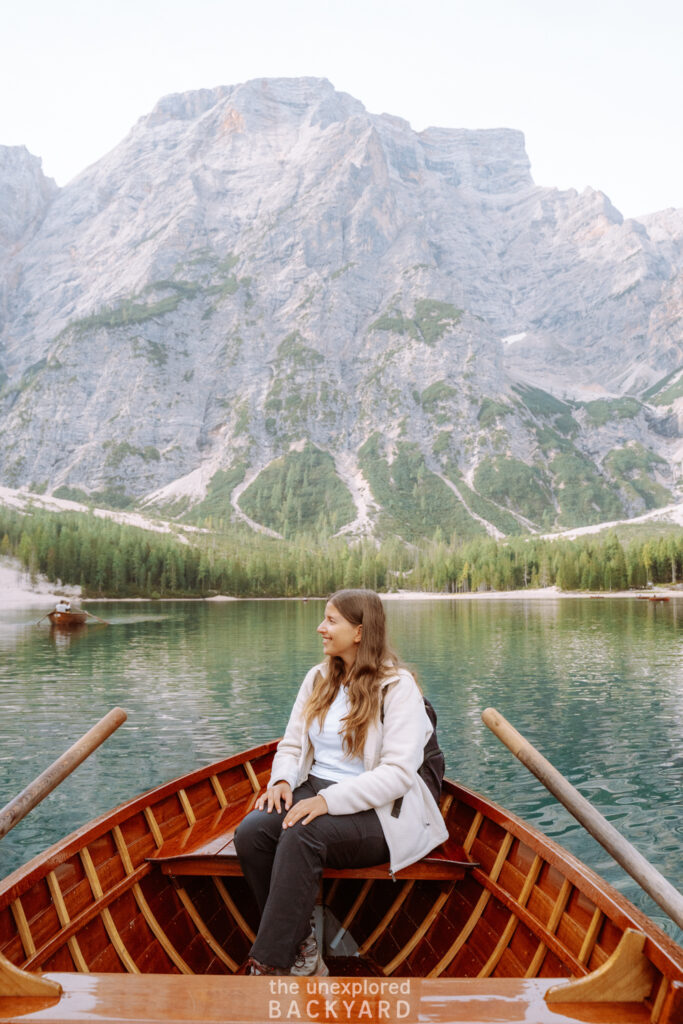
(104, 621)
(647, 876)
(37, 790)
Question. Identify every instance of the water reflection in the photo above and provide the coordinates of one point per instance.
(595, 685)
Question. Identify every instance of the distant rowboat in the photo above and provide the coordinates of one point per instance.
(67, 620)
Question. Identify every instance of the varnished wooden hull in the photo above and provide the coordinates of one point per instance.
(528, 913)
(67, 620)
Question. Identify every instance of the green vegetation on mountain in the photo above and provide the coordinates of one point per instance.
(216, 506)
(563, 488)
(296, 354)
(605, 410)
(153, 352)
(541, 403)
(415, 501)
(488, 510)
(342, 270)
(442, 443)
(513, 484)
(433, 318)
(116, 453)
(65, 493)
(430, 321)
(131, 311)
(490, 411)
(670, 394)
(114, 496)
(666, 390)
(300, 393)
(551, 442)
(395, 322)
(437, 393)
(584, 496)
(28, 380)
(299, 493)
(209, 276)
(474, 505)
(633, 469)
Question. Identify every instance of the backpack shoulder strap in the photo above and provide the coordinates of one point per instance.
(381, 701)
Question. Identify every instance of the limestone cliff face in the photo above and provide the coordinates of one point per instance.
(264, 280)
(25, 194)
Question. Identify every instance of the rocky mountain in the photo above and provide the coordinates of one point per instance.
(269, 304)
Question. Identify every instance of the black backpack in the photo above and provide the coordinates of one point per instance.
(433, 762)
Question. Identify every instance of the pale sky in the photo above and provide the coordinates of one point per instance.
(595, 85)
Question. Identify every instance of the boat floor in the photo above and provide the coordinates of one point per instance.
(117, 999)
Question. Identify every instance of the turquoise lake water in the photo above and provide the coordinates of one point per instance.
(596, 685)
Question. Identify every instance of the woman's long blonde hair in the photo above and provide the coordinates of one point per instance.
(374, 661)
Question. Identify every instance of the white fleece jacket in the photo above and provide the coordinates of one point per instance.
(392, 754)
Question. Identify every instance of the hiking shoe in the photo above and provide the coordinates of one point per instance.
(254, 967)
(309, 960)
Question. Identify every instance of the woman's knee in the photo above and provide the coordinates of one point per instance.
(311, 837)
(340, 841)
(253, 828)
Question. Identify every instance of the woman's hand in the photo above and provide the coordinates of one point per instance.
(305, 811)
(281, 791)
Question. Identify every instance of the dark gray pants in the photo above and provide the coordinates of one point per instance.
(284, 866)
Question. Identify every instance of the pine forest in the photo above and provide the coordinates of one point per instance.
(110, 559)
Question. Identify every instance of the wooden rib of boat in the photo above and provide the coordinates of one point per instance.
(67, 620)
(142, 915)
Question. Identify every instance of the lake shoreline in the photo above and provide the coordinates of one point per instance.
(16, 591)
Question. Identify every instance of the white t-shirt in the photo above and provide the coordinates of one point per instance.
(330, 760)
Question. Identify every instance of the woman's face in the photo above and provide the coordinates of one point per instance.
(340, 637)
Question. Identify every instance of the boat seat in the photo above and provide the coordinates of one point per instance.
(208, 848)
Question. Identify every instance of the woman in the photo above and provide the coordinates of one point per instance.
(344, 789)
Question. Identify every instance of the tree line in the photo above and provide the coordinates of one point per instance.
(109, 559)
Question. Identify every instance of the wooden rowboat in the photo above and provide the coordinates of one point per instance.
(143, 915)
(67, 620)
